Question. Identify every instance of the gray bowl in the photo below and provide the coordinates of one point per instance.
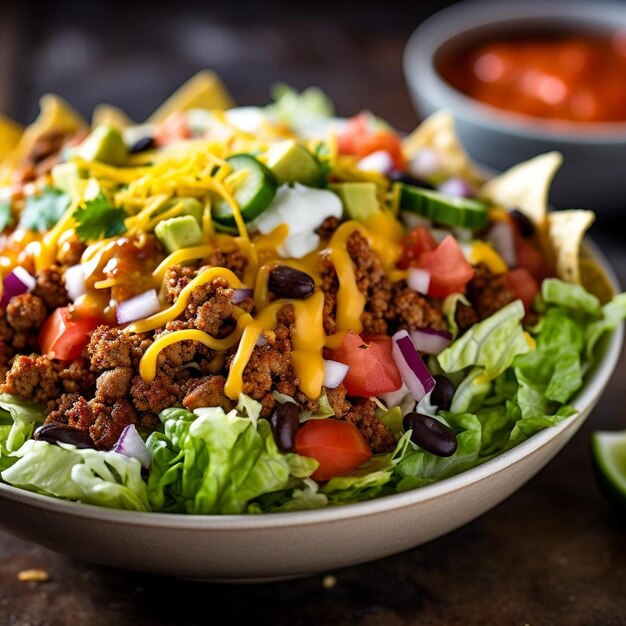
(594, 170)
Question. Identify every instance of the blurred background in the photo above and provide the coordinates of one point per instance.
(134, 54)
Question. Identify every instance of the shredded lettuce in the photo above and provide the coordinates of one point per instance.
(17, 422)
(91, 476)
(299, 109)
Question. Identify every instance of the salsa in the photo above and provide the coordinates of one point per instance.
(569, 78)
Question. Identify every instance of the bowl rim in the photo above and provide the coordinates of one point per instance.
(456, 20)
(586, 397)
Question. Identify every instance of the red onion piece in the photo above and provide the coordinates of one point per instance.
(143, 305)
(502, 238)
(429, 340)
(425, 164)
(239, 295)
(75, 282)
(412, 368)
(334, 373)
(130, 444)
(18, 281)
(457, 187)
(418, 279)
(379, 161)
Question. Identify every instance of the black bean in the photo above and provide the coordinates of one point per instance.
(526, 227)
(407, 179)
(62, 433)
(430, 434)
(143, 143)
(287, 282)
(441, 395)
(284, 423)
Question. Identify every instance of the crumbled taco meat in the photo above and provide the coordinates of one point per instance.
(50, 288)
(109, 348)
(26, 313)
(32, 378)
(207, 391)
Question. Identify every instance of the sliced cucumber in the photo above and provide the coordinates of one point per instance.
(450, 210)
(609, 456)
(253, 194)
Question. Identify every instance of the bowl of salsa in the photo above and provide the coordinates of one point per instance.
(522, 78)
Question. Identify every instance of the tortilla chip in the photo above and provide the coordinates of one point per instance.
(525, 186)
(10, 133)
(566, 231)
(437, 133)
(205, 90)
(110, 115)
(55, 115)
(594, 279)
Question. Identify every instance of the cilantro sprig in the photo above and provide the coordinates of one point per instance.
(98, 218)
(43, 211)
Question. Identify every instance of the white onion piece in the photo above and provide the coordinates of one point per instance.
(429, 340)
(502, 238)
(143, 305)
(379, 161)
(18, 281)
(75, 282)
(334, 373)
(239, 295)
(425, 164)
(261, 341)
(457, 187)
(394, 398)
(412, 368)
(418, 279)
(130, 444)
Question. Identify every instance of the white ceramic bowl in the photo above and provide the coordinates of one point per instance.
(500, 139)
(282, 545)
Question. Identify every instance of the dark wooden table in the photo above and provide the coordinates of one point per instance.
(552, 554)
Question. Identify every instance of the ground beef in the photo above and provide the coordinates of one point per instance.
(113, 385)
(110, 422)
(378, 437)
(26, 312)
(270, 367)
(46, 144)
(487, 293)
(176, 279)
(153, 397)
(180, 352)
(234, 260)
(210, 308)
(207, 392)
(328, 228)
(69, 251)
(57, 409)
(51, 289)
(337, 400)
(408, 309)
(6, 354)
(75, 377)
(112, 347)
(79, 415)
(32, 378)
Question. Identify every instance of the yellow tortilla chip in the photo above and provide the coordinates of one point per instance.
(110, 115)
(525, 186)
(566, 231)
(437, 133)
(10, 133)
(205, 90)
(594, 279)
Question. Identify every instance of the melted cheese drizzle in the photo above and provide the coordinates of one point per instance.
(171, 313)
(308, 341)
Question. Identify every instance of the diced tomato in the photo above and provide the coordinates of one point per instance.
(64, 338)
(531, 259)
(417, 241)
(523, 285)
(372, 368)
(337, 446)
(449, 269)
(359, 139)
(174, 128)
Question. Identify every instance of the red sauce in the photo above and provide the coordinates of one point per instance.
(578, 78)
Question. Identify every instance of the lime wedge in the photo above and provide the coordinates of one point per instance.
(609, 455)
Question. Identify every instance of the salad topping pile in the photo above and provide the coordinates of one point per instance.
(258, 309)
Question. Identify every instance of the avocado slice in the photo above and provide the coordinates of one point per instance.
(293, 163)
(360, 200)
(104, 144)
(192, 207)
(65, 176)
(179, 232)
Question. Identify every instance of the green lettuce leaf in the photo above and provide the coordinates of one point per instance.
(449, 310)
(298, 109)
(91, 476)
(613, 313)
(570, 296)
(215, 462)
(492, 343)
(471, 392)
